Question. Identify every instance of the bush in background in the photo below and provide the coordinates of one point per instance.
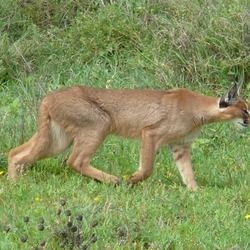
(178, 41)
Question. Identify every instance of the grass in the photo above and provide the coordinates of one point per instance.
(156, 214)
(46, 45)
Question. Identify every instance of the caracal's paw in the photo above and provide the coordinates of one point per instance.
(112, 180)
(13, 173)
(135, 178)
(193, 186)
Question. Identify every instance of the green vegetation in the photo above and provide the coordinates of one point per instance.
(201, 45)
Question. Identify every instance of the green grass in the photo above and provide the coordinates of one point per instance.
(155, 214)
(46, 45)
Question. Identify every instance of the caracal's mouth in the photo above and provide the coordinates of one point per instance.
(240, 123)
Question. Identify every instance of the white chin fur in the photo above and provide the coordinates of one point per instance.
(239, 123)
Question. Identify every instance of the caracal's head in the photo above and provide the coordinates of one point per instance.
(235, 108)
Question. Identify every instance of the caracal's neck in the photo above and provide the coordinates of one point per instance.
(208, 111)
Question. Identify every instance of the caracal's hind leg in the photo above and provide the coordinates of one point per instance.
(34, 149)
(51, 140)
(85, 145)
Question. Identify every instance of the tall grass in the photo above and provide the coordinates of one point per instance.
(201, 45)
(180, 41)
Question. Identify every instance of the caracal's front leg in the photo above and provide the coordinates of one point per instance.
(149, 148)
(182, 157)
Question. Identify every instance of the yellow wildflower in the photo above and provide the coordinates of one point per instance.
(37, 199)
(125, 177)
(247, 216)
(1, 173)
(97, 199)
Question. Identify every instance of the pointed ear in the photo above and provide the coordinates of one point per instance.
(239, 84)
(230, 97)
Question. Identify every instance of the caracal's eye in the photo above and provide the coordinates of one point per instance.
(245, 112)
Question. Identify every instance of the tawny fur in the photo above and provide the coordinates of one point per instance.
(84, 116)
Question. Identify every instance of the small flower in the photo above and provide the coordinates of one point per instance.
(73, 229)
(79, 217)
(125, 177)
(121, 233)
(43, 243)
(59, 212)
(26, 219)
(247, 216)
(97, 199)
(63, 202)
(41, 220)
(64, 234)
(23, 239)
(67, 212)
(69, 224)
(1, 173)
(37, 199)
(41, 227)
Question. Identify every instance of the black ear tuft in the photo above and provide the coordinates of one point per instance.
(223, 103)
(230, 97)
